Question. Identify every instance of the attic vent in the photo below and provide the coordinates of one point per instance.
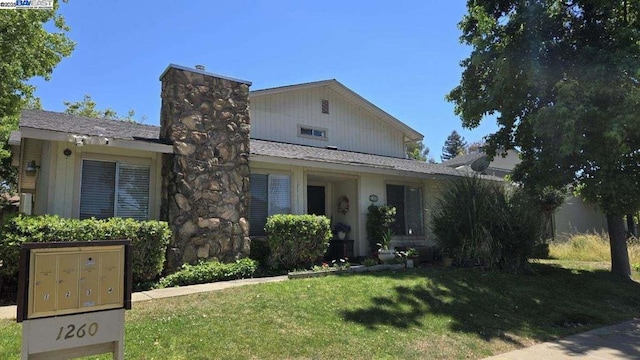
(325, 106)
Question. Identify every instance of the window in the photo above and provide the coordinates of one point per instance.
(311, 132)
(408, 203)
(270, 194)
(111, 189)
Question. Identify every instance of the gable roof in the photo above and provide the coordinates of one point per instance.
(464, 159)
(364, 161)
(65, 124)
(349, 95)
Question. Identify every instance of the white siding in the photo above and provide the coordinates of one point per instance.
(276, 117)
(60, 179)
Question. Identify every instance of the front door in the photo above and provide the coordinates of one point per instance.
(315, 200)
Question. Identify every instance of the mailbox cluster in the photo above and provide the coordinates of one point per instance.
(65, 278)
(70, 280)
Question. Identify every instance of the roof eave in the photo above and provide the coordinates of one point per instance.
(40, 134)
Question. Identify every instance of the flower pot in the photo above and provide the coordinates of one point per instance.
(342, 235)
(386, 255)
(447, 262)
(409, 263)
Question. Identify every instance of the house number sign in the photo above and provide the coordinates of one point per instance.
(72, 297)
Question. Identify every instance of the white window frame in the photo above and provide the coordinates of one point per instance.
(316, 132)
(118, 163)
(270, 206)
(408, 230)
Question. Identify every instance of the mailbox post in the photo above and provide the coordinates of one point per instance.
(72, 297)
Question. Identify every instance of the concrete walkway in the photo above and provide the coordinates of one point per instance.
(620, 341)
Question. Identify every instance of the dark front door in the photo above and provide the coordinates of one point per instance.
(315, 200)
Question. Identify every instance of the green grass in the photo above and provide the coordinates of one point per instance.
(419, 314)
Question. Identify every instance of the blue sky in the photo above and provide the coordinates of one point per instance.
(402, 56)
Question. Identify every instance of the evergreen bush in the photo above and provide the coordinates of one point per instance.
(297, 241)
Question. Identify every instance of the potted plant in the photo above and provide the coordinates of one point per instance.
(341, 230)
(410, 255)
(384, 254)
(447, 258)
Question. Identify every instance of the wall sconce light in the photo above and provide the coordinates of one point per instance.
(373, 198)
(67, 152)
(31, 168)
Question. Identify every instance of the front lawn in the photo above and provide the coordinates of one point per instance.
(417, 314)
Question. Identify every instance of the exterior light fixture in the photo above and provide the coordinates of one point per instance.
(373, 198)
(31, 168)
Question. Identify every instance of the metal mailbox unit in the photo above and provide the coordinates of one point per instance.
(72, 297)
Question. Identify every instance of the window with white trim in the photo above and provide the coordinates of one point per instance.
(409, 214)
(270, 194)
(311, 132)
(114, 189)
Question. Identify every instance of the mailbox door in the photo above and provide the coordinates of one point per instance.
(89, 279)
(111, 284)
(44, 289)
(67, 281)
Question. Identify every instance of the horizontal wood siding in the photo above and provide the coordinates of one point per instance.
(277, 117)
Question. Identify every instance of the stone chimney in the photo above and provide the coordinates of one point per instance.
(205, 182)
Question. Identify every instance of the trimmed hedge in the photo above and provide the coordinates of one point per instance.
(207, 272)
(149, 240)
(297, 240)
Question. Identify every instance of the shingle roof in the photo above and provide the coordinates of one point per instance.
(464, 159)
(302, 152)
(73, 124)
(81, 125)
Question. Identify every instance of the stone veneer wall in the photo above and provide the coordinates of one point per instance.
(205, 182)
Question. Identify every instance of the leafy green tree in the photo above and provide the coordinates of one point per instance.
(453, 146)
(87, 107)
(563, 80)
(418, 151)
(27, 50)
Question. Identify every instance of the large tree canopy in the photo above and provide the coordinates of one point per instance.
(27, 50)
(562, 77)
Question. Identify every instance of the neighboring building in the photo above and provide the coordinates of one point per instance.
(574, 216)
(216, 169)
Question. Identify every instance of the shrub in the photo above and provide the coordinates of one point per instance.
(462, 220)
(517, 229)
(379, 220)
(478, 220)
(207, 272)
(149, 240)
(296, 241)
(260, 250)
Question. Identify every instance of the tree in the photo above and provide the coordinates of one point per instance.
(563, 80)
(418, 151)
(453, 146)
(28, 50)
(475, 146)
(87, 107)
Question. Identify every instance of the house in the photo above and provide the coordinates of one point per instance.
(215, 168)
(574, 216)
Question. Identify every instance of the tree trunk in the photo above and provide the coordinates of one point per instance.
(631, 226)
(618, 242)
